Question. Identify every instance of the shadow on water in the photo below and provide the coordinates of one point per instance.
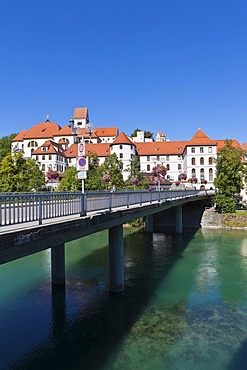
(239, 361)
(90, 338)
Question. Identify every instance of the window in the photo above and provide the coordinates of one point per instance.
(179, 156)
(148, 167)
(121, 146)
(43, 167)
(49, 157)
(158, 157)
(148, 158)
(210, 174)
(79, 123)
(201, 161)
(43, 157)
(202, 172)
(179, 166)
(167, 158)
(121, 156)
(201, 149)
(193, 150)
(193, 161)
(193, 172)
(210, 160)
(168, 167)
(210, 149)
(37, 157)
(32, 144)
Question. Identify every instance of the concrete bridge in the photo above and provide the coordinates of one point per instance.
(20, 238)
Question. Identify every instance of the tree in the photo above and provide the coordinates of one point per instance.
(94, 174)
(70, 181)
(230, 173)
(18, 174)
(147, 134)
(113, 167)
(5, 145)
(136, 178)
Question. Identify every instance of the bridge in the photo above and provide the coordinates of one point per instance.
(30, 223)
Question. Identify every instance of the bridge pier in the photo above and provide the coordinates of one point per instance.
(179, 219)
(150, 223)
(58, 265)
(116, 259)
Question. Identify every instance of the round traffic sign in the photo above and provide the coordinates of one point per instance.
(81, 148)
(82, 162)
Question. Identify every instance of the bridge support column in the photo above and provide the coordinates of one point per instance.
(150, 224)
(179, 220)
(116, 259)
(58, 265)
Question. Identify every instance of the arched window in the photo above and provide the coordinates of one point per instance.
(193, 161)
(201, 172)
(210, 160)
(210, 174)
(193, 172)
(43, 167)
(179, 166)
(168, 167)
(201, 161)
(148, 167)
(32, 144)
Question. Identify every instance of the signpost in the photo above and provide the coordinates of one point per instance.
(82, 163)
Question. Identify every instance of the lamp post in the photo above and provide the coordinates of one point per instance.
(90, 128)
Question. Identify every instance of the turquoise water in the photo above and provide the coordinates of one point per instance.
(184, 306)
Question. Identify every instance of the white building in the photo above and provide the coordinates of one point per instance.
(54, 147)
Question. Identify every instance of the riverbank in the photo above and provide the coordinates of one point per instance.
(213, 219)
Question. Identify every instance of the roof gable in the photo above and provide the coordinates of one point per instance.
(200, 138)
(122, 138)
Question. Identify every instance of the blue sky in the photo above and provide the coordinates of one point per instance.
(170, 66)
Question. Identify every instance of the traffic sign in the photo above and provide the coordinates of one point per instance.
(81, 149)
(82, 175)
(82, 163)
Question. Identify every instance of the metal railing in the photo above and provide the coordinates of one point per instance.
(26, 207)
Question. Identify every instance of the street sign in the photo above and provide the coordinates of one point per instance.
(82, 175)
(82, 163)
(81, 149)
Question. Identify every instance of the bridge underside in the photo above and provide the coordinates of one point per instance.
(20, 243)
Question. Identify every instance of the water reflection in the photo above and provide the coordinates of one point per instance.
(184, 306)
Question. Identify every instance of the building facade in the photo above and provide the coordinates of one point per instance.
(55, 148)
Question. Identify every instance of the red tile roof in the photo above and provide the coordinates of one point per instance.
(161, 148)
(122, 138)
(41, 130)
(80, 113)
(221, 143)
(101, 150)
(52, 148)
(200, 138)
(19, 137)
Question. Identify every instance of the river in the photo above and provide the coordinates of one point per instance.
(184, 306)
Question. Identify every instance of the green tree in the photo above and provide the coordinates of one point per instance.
(230, 173)
(5, 145)
(136, 178)
(147, 134)
(113, 167)
(94, 175)
(70, 181)
(18, 174)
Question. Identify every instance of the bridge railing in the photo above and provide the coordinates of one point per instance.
(21, 207)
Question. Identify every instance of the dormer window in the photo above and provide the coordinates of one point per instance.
(44, 149)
